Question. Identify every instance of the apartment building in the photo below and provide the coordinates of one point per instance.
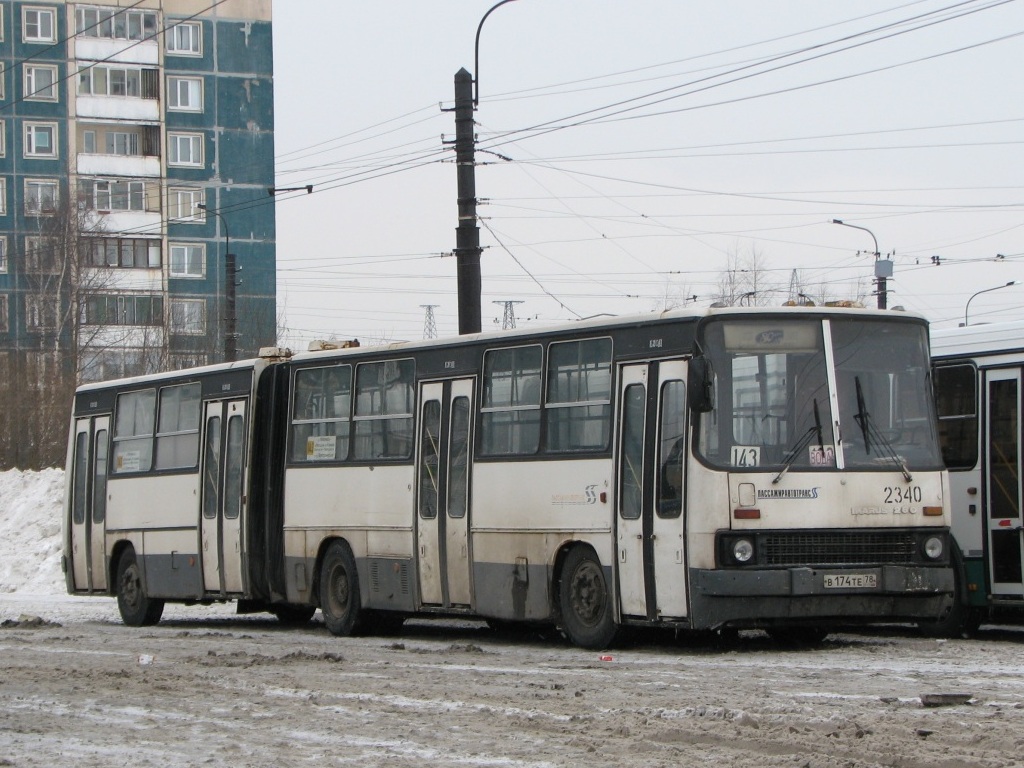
(136, 149)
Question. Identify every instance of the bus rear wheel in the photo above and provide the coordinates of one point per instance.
(339, 590)
(136, 608)
(585, 602)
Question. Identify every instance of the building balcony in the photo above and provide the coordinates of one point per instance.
(139, 222)
(118, 51)
(118, 165)
(119, 279)
(117, 108)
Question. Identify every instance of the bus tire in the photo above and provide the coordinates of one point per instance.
(339, 590)
(585, 602)
(136, 608)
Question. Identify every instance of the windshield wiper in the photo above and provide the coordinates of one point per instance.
(868, 428)
(802, 443)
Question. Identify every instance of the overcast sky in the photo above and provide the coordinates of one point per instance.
(634, 148)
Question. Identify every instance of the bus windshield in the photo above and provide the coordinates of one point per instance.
(883, 383)
(773, 409)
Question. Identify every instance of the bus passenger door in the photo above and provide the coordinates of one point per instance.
(650, 491)
(89, 504)
(1003, 481)
(443, 493)
(223, 486)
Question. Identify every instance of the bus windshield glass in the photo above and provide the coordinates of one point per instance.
(773, 408)
(884, 389)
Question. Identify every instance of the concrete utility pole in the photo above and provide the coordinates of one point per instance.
(467, 234)
(230, 271)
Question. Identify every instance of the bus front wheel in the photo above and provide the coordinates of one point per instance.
(339, 590)
(136, 608)
(585, 602)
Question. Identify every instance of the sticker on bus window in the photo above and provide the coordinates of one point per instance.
(822, 456)
(129, 461)
(746, 455)
(320, 448)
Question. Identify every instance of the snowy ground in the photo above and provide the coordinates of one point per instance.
(205, 687)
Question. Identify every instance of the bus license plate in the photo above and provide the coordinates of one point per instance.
(851, 581)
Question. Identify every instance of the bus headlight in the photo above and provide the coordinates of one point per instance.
(933, 547)
(742, 550)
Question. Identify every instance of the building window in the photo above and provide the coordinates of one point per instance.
(124, 253)
(105, 195)
(111, 81)
(116, 25)
(188, 260)
(3, 254)
(121, 143)
(40, 82)
(1, 23)
(185, 149)
(185, 39)
(4, 312)
(40, 313)
(39, 25)
(188, 316)
(182, 205)
(3, 194)
(179, 360)
(40, 197)
(40, 139)
(185, 94)
(89, 142)
(123, 309)
(40, 256)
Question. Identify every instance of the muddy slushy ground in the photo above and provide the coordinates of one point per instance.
(206, 687)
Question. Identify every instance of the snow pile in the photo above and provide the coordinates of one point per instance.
(30, 531)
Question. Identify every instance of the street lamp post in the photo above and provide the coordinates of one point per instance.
(230, 320)
(987, 290)
(882, 269)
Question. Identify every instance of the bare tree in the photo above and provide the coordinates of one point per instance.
(72, 316)
(746, 281)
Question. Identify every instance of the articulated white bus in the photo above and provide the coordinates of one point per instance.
(731, 468)
(978, 382)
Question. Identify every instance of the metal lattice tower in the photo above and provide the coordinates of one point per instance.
(429, 325)
(509, 319)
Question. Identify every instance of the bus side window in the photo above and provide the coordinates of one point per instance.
(510, 412)
(384, 410)
(578, 405)
(956, 398)
(133, 431)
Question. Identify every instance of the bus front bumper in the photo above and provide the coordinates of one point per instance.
(755, 597)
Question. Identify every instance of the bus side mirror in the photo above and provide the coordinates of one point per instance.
(701, 385)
